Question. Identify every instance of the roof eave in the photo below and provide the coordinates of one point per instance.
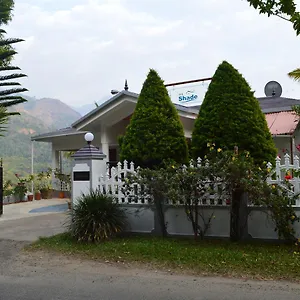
(50, 136)
(101, 106)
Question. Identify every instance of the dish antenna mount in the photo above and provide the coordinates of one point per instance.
(273, 89)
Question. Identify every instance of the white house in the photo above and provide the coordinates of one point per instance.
(108, 121)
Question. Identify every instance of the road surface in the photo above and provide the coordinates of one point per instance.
(45, 276)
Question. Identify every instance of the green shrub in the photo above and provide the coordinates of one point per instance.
(155, 133)
(230, 116)
(96, 217)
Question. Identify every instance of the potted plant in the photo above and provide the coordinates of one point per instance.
(21, 187)
(65, 182)
(29, 197)
(44, 184)
(20, 190)
(8, 190)
(37, 194)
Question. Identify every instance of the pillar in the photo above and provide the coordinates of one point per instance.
(89, 164)
(105, 142)
(55, 165)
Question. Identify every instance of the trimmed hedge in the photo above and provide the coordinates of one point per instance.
(230, 116)
(155, 133)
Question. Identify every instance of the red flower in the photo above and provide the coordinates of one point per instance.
(288, 177)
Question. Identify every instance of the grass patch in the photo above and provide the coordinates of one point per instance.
(259, 261)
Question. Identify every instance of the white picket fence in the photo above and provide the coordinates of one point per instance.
(113, 182)
(281, 170)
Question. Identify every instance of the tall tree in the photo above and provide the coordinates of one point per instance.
(9, 88)
(284, 9)
(9, 96)
(6, 8)
(155, 133)
(230, 116)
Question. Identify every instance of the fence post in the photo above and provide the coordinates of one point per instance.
(1, 188)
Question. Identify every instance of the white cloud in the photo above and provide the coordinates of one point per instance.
(78, 50)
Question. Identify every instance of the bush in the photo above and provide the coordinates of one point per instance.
(155, 133)
(96, 217)
(230, 116)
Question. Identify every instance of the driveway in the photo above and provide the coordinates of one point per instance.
(30, 220)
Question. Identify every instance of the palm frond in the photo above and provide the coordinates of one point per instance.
(9, 83)
(9, 68)
(3, 119)
(12, 76)
(7, 54)
(295, 74)
(5, 103)
(12, 91)
(10, 41)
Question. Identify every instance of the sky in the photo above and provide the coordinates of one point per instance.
(79, 50)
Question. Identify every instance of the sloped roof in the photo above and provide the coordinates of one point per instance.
(271, 104)
(284, 122)
(57, 133)
(277, 104)
(132, 95)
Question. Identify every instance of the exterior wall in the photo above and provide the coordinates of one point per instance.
(188, 126)
(141, 219)
(116, 130)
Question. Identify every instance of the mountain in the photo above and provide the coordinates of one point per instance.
(37, 116)
(86, 108)
(52, 112)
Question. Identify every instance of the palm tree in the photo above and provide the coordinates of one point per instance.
(295, 74)
(3, 119)
(9, 96)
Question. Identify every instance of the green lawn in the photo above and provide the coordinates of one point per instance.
(259, 261)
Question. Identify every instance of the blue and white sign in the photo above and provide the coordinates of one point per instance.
(188, 95)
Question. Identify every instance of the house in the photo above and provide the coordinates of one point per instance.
(109, 120)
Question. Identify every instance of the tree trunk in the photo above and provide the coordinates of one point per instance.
(239, 216)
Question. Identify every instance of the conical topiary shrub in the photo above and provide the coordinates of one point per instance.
(155, 133)
(230, 116)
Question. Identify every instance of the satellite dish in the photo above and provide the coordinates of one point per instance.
(273, 89)
(114, 92)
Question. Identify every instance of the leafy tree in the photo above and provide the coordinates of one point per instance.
(284, 9)
(6, 7)
(155, 133)
(230, 116)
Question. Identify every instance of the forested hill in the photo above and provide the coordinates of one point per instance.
(37, 116)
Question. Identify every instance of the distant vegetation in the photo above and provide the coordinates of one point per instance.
(37, 116)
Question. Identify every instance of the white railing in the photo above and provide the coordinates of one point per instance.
(113, 182)
(281, 171)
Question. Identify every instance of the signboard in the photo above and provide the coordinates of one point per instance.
(188, 95)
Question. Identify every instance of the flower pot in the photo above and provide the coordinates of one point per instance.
(30, 197)
(37, 196)
(61, 195)
(45, 194)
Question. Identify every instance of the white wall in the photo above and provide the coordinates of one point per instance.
(260, 226)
